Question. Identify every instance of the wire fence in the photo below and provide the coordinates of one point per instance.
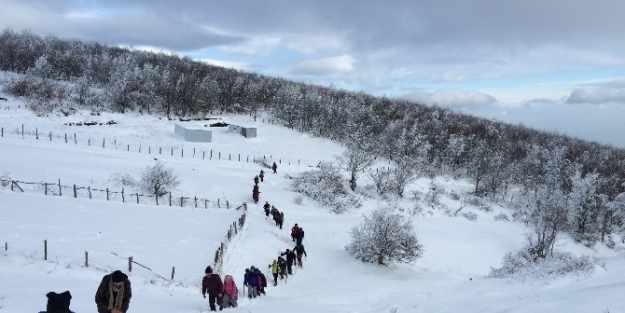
(109, 194)
(170, 150)
(107, 262)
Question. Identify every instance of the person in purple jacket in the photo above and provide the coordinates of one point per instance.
(252, 281)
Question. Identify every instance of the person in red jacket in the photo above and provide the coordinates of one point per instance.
(294, 231)
(212, 284)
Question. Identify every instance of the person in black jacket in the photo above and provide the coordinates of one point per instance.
(290, 260)
(114, 293)
(299, 236)
(299, 250)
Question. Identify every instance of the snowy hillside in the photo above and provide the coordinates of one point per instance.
(450, 277)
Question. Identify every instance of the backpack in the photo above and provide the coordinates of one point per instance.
(263, 280)
(58, 302)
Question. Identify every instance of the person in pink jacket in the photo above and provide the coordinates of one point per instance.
(230, 292)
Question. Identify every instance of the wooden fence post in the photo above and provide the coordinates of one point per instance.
(203, 154)
(45, 190)
(219, 155)
(75, 140)
(160, 150)
(170, 199)
(89, 189)
(50, 136)
(6, 246)
(45, 250)
(89, 142)
(182, 153)
(218, 203)
(173, 271)
(205, 204)
(2, 132)
(107, 194)
(149, 149)
(22, 131)
(128, 147)
(181, 201)
(103, 142)
(137, 197)
(75, 192)
(65, 137)
(123, 197)
(156, 197)
(211, 154)
(193, 152)
(195, 198)
(86, 259)
(172, 151)
(60, 189)
(36, 134)
(129, 264)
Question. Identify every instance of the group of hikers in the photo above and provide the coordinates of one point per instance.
(278, 216)
(261, 178)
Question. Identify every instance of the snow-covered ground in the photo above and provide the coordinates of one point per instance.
(450, 277)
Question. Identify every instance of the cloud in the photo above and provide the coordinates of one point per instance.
(324, 66)
(597, 96)
(455, 99)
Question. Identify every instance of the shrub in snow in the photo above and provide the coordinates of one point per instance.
(298, 200)
(123, 179)
(159, 180)
(502, 217)
(522, 265)
(5, 179)
(325, 185)
(383, 238)
(469, 215)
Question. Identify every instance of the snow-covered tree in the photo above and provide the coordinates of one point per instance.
(385, 237)
(159, 180)
(325, 185)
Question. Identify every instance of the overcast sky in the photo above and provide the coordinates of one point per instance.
(557, 65)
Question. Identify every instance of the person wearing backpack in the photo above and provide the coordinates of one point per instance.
(263, 283)
(231, 292)
(299, 251)
(212, 284)
(282, 264)
(252, 282)
(294, 231)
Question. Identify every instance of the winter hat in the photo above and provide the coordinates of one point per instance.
(117, 276)
(208, 270)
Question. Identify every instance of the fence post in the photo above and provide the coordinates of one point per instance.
(219, 155)
(75, 140)
(6, 246)
(139, 148)
(2, 131)
(182, 153)
(173, 270)
(149, 149)
(45, 190)
(89, 189)
(129, 264)
(45, 250)
(65, 137)
(211, 154)
(123, 197)
(86, 259)
(193, 152)
(160, 150)
(195, 198)
(172, 151)
(156, 197)
(205, 204)
(107, 194)
(137, 197)
(203, 154)
(128, 147)
(89, 142)
(60, 189)
(170, 199)
(218, 203)
(181, 202)
(36, 134)
(75, 192)
(227, 204)
(103, 142)
(229, 157)
(50, 136)
(22, 131)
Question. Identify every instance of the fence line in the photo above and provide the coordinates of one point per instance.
(167, 150)
(235, 228)
(57, 189)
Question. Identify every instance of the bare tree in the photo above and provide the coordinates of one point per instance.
(159, 180)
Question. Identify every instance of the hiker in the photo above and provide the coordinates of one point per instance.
(266, 207)
(274, 167)
(300, 236)
(262, 176)
(275, 271)
(273, 212)
(255, 193)
(231, 292)
(256, 180)
(282, 264)
(58, 302)
(294, 231)
(263, 283)
(299, 250)
(281, 219)
(212, 284)
(252, 282)
(290, 260)
(114, 293)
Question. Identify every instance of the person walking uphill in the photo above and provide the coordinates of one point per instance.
(231, 292)
(274, 167)
(299, 250)
(211, 284)
(275, 271)
(262, 176)
(256, 180)
(114, 293)
(290, 260)
(252, 281)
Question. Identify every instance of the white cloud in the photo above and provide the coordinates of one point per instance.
(455, 99)
(226, 64)
(323, 66)
(597, 96)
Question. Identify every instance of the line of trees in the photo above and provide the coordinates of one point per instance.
(548, 170)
